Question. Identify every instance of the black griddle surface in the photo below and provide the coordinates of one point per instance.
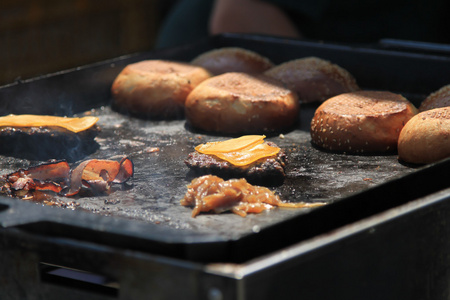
(146, 212)
(153, 195)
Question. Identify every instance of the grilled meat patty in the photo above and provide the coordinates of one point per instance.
(43, 143)
(267, 171)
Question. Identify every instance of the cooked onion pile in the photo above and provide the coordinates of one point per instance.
(212, 193)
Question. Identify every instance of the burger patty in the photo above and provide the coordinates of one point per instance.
(267, 171)
(43, 143)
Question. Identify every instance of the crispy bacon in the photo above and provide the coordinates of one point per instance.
(22, 183)
(99, 174)
(57, 176)
(49, 176)
(49, 171)
(126, 170)
(48, 186)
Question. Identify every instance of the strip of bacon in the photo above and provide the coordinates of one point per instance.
(49, 171)
(48, 186)
(94, 172)
(57, 176)
(126, 170)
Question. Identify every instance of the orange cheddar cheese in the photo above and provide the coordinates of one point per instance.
(241, 151)
(72, 124)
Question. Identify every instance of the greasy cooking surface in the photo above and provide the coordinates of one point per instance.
(148, 207)
(160, 179)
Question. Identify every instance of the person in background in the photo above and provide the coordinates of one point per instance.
(349, 21)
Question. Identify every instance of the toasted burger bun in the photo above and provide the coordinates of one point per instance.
(314, 79)
(361, 122)
(440, 98)
(241, 103)
(156, 88)
(232, 59)
(426, 137)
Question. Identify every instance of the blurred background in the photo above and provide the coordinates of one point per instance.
(43, 36)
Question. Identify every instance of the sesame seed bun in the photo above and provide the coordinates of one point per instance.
(361, 122)
(440, 98)
(314, 79)
(156, 88)
(426, 137)
(241, 103)
(232, 59)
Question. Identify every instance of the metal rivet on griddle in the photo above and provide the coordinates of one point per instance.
(215, 294)
(256, 229)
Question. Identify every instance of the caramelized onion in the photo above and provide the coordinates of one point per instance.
(212, 193)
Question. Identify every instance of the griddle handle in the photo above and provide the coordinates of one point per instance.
(415, 46)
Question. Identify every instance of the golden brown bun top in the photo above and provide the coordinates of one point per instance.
(308, 67)
(436, 113)
(314, 79)
(315, 64)
(163, 67)
(250, 86)
(367, 103)
(440, 98)
(425, 137)
(232, 59)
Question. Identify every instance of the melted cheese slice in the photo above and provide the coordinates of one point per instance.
(240, 151)
(72, 124)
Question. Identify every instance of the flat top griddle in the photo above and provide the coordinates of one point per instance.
(160, 179)
(146, 212)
